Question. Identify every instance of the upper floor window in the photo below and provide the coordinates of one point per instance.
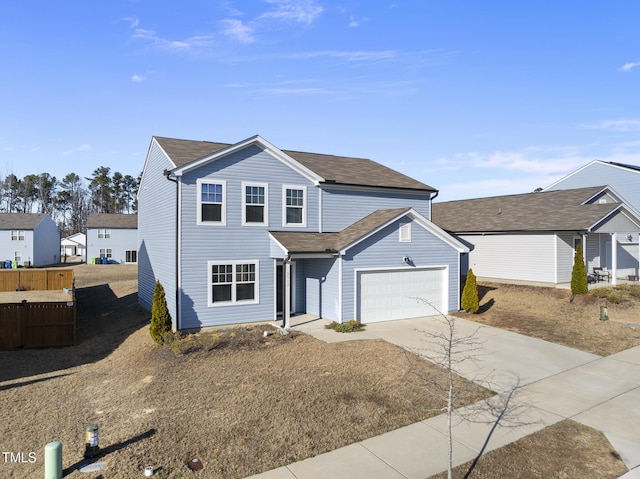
(17, 235)
(211, 202)
(104, 233)
(254, 207)
(294, 205)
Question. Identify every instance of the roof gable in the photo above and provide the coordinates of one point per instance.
(556, 210)
(21, 221)
(302, 242)
(112, 220)
(319, 168)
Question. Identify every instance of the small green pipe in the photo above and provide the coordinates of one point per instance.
(53, 460)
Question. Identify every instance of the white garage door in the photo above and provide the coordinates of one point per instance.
(385, 295)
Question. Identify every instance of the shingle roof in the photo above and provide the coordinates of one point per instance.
(300, 242)
(339, 169)
(22, 221)
(111, 220)
(559, 210)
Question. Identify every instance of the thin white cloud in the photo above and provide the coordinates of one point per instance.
(138, 78)
(617, 125)
(354, 23)
(239, 31)
(79, 149)
(133, 21)
(351, 56)
(197, 41)
(300, 11)
(627, 67)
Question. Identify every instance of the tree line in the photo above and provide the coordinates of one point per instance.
(72, 199)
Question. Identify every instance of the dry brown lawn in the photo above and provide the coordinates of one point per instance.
(239, 402)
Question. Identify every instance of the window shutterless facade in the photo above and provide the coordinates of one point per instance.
(211, 202)
(17, 235)
(104, 233)
(294, 206)
(131, 256)
(105, 252)
(254, 204)
(233, 282)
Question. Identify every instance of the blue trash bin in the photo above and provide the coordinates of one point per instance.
(104, 260)
(7, 264)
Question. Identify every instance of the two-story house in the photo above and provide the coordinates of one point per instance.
(248, 232)
(112, 238)
(29, 239)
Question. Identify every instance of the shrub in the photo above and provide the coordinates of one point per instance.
(579, 284)
(160, 317)
(352, 326)
(470, 302)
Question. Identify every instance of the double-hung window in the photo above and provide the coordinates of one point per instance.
(105, 252)
(294, 207)
(233, 282)
(211, 202)
(254, 204)
(104, 233)
(17, 235)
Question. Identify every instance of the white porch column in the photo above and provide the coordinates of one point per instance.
(614, 258)
(287, 294)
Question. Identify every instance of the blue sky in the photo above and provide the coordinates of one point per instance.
(473, 98)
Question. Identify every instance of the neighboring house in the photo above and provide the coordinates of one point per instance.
(532, 237)
(29, 239)
(112, 238)
(247, 232)
(74, 245)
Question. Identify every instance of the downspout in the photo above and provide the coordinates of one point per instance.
(167, 174)
(431, 198)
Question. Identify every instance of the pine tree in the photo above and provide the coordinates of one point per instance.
(470, 302)
(160, 317)
(579, 284)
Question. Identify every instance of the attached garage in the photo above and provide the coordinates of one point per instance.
(390, 294)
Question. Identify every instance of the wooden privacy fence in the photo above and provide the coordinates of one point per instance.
(36, 279)
(35, 309)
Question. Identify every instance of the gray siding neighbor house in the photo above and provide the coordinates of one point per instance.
(29, 239)
(246, 232)
(112, 238)
(531, 238)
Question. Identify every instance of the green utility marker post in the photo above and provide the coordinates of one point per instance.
(53, 460)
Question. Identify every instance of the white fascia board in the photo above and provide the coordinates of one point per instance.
(623, 209)
(146, 161)
(261, 143)
(375, 189)
(280, 245)
(372, 232)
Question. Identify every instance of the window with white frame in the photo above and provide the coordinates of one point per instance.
(104, 233)
(131, 256)
(17, 235)
(17, 256)
(105, 252)
(254, 207)
(211, 202)
(294, 205)
(405, 233)
(233, 282)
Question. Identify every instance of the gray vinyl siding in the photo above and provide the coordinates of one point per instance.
(513, 257)
(156, 232)
(625, 182)
(46, 243)
(384, 250)
(200, 244)
(8, 247)
(565, 257)
(321, 287)
(342, 208)
(618, 223)
(593, 253)
(121, 241)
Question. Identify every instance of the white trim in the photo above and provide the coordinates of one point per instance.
(233, 301)
(303, 224)
(179, 254)
(604, 163)
(319, 210)
(223, 209)
(265, 206)
(357, 271)
(340, 289)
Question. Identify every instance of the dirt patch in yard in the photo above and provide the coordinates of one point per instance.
(555, 315)
(240, 402)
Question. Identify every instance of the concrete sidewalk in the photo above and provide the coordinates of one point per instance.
(554, 383)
